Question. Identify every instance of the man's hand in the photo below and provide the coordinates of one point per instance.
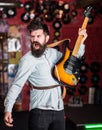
(81, 51)
(83, 33)
(8, 119)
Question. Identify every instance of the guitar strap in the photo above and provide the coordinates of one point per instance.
(58, 43)
(57, 85)
(45, 87)
(50, 87)
(53, 86)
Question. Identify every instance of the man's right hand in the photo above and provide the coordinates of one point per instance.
(8, 119)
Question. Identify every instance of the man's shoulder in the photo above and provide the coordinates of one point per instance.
(27, 56)
(52, 49)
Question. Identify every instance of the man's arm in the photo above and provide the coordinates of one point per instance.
(21, 77)
(82, 46)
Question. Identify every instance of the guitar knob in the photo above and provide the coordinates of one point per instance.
(74, 81)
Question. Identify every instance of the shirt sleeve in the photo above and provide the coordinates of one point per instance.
(81, 51)
(24, 70)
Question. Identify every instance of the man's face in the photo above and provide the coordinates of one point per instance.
(38, 42)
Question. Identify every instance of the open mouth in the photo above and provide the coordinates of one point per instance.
(36, 45)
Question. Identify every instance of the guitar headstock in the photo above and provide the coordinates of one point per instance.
(87, 12)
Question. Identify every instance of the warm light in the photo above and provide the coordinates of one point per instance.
(7, 4)
(15, 4)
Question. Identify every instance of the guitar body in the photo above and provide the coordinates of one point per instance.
(60, 72)
(64, 71)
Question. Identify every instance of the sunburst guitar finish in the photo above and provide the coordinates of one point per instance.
(63, 70)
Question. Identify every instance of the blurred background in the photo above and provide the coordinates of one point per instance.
(64, 18)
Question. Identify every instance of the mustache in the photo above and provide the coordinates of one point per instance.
(36, 43)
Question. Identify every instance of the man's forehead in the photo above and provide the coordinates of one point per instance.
(38, 31)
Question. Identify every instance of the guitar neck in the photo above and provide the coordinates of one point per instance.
(79, 39)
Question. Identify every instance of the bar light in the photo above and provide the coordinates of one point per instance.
(91, 126)
(10, 4)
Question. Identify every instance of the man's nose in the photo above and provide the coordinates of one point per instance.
(35, 39)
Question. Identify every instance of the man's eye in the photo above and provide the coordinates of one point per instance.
(32, 36)
(38, 36)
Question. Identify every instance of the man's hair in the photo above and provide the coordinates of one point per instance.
(36, 24)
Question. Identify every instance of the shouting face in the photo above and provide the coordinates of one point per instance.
(38, 42)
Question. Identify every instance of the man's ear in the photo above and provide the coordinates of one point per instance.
(47, 38)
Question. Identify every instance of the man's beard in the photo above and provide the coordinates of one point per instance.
(38, 52)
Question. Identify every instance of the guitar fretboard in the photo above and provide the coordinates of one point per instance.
(79, 39)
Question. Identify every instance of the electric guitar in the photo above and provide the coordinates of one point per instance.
(63, 70)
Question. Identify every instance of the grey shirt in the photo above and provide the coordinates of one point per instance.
(38, 72)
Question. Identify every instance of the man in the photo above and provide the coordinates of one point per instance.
(46, 105)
